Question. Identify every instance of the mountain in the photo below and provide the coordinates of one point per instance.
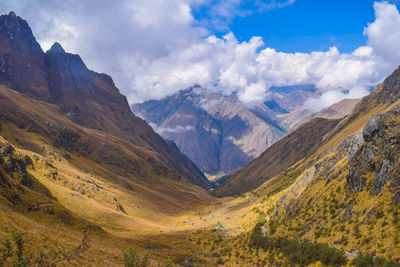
(294, 147)
(352, 194)
(339, 203)
(90, 99)
(210, 127)
(75, 161)
(73, 156)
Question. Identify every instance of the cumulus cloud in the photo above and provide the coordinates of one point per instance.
(384, 33)
(151, 53)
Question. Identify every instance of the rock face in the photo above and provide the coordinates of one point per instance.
(89, 98)
(351, 144)
(22, 62)
(378, 156)
(209, 127)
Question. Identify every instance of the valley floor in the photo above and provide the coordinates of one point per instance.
(159, 227)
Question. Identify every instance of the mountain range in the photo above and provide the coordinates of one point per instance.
(210, 127)
(88, 98)
(86, 182)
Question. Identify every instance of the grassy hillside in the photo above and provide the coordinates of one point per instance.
(341, 201)
(78, 176)
(338, 206)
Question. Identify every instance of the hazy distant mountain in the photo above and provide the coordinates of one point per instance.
(336, 111)
(209, 127)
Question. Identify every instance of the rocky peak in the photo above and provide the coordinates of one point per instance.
(57, 58)
(12, 15)
(56, 48)
(21, 58)
(16, 29)
(11, 20)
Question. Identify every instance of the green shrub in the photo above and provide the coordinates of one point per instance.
(169, 262)
(379, 214)
(271, 210)
(273, 225)
(369, 261)
(132, 258)
(357, 232)
(14, 253)
(262, 218)
(344, 240)
(296, 252)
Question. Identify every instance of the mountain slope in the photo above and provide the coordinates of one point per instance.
(88, 98)
(338, 206)
(289, 150)
(338, 110)
(347, 193)
(73, 155)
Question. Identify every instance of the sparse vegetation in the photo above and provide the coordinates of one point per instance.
(262, 217)
(296, 252)
(132, 258)
(369, 260)
(169, 262)
(14, 253)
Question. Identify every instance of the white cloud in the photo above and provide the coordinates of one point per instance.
(384, 33)
(168, 130)
(151, 53)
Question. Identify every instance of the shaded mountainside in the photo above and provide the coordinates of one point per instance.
(90, 99)
(24, 193)
(67, 186)
(44, 129)
(289, 150)
(209, 127)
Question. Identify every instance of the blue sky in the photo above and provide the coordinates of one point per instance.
(304, 26)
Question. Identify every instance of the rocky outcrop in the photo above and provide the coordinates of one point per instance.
(378, 156)
(350, 145)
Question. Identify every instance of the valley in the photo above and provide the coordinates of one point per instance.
(83, 179)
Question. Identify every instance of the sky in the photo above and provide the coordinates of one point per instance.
(154, 48)
(304, 25)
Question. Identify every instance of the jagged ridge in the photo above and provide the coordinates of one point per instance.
(89, 98)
